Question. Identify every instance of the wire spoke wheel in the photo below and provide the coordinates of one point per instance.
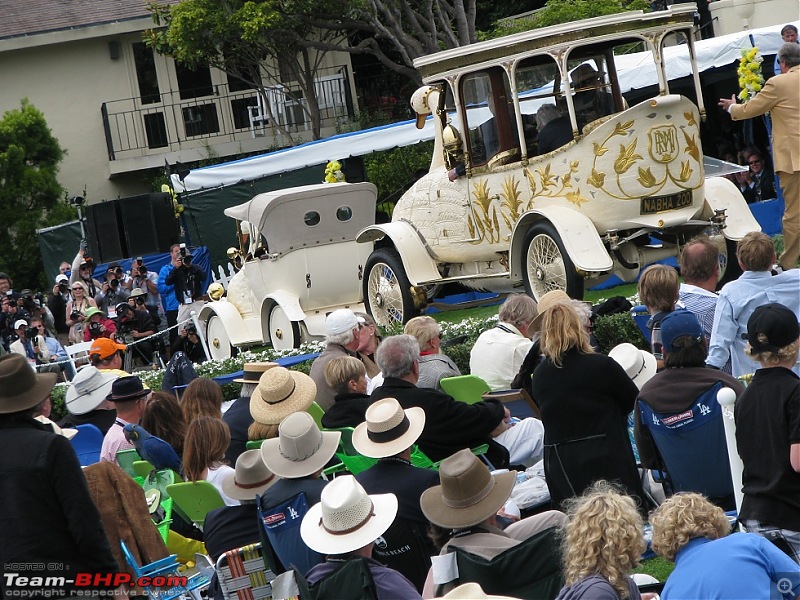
(387, 293)
(547, 265)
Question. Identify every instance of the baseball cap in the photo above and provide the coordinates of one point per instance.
(105, 347)
(772, 327)
(20, 323)
(61, 277)
(341, 320)
(679, 323)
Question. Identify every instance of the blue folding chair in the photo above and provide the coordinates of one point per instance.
(280, 535)
(164, 568)
(87, 444)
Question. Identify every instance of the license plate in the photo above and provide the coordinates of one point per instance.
(657, 204)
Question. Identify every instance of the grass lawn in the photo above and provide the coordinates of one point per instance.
(658, 567)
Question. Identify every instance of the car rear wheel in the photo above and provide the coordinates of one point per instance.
(284, 334)
(547, 265)
(387, 292)
(219, 343)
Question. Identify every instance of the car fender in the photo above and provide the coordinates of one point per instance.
(287, 301)
(235, 326)
(578, 234)
(419, 266)
(722, 193)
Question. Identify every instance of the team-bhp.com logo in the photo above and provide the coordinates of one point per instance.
(22, 581)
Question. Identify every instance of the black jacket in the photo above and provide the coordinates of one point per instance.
(187, 277)
(238, 418)
(347, 411)
(407, 482)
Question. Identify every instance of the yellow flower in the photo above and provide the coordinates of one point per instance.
(750, 78)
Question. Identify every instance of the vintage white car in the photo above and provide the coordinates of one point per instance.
(543, 176)
(299, 261)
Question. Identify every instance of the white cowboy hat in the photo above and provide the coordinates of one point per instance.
(346, 518)
(88, 389)
(640, 365)
(250, 477)
(300, 449)
(388, 429)
(281, 392)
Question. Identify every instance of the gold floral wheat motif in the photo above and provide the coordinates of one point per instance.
(512, 200)
(485, 222)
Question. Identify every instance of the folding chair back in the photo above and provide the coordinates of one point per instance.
(87, 444)
(465, 388)
(352, 580)
(316, 412)
(405, 548)
(243, 574)
(692, 446)
(165, 567)
(280, 535)
(194, 499)
(126, 458)
(350, 457)
(531, 569)
(78, 354)
(253, 444)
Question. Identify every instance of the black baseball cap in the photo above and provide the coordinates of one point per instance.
(772, 327)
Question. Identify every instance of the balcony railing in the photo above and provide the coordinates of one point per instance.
(166, 123)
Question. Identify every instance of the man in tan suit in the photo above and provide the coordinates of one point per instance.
(780, 97)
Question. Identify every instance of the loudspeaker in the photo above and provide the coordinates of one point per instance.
(149, 223)
(104, 232)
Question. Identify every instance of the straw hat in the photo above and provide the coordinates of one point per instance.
(20, 386)
(250, 477)
(546, 302)
(88, 389)
(346, 518)
(68, 433)
(640, 365)
(252, 371)
(281, 392)
(300, 449)
(388, 429)
(468, 493)
(137, 292)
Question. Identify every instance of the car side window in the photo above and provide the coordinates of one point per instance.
(311, 218)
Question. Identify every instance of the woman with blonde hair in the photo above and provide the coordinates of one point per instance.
(81, 302)
(348, 378)
(204, 449)
(201, 397)
(602, 545)
(434, 365)
(585, 399)
(691, 531)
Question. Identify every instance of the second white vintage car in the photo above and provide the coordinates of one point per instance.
(543, 176)
(299, 261)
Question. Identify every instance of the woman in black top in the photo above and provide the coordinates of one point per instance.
(585, 399)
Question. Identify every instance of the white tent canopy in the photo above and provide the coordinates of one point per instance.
(634, 71)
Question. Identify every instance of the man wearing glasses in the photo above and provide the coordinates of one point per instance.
(762, 180)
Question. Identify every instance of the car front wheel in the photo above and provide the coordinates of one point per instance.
(547, 265)
(387, 292)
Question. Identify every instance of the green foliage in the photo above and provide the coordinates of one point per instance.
(30, 195)
(612, 330)
(395, 170)
(556, 12)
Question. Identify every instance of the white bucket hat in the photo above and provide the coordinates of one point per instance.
(341, 320)
(250, 477)
(388, 429)
(88, 389)
(300, 449)
(346, 518)
(640, 365)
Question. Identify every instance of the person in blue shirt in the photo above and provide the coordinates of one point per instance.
(788, 34)
(167, 292)
(709, 563)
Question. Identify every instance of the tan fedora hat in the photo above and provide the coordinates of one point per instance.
(468, 493)
(20, 386)
(253, 371)
(388, 429)
(546, 302)
(281, 392)
(300, 449)
(346, 518)
(250, 477)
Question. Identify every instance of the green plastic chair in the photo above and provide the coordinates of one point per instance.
(142, 468)
(465, 388)
(126, 458)
(254, 444)
(194, 500)
(351, 459)
(316, 411)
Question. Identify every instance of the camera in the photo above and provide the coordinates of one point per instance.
(186, 257)
(114, 283)
(191, 330)
(94, 327)
(74, 315)
(139, 301)
(142, 270)
(31, 332)
(63, 287)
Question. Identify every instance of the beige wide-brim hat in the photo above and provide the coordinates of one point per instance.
(88, 390)
(67, 432)
(21, 387)
(253, 371)
(468, 494)
(281, 392)
(300, 449)
(473, 591)
(388, 429)
(250, 477)
(546, 302)
(640, 365)
(346, 518)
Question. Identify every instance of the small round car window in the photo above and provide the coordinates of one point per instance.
(311, 218)
(344, 213)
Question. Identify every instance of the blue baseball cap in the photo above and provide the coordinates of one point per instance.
(677, 324)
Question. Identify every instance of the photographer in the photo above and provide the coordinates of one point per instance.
(98, 325)
(133, 325)
(189, 344)
(31, 344)
(113, 291)
(34, 307)
(57, 304)
(138, 301)
(147, 281)
(82, 268)
(187, 280)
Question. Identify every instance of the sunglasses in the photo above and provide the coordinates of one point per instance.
(77, 289)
